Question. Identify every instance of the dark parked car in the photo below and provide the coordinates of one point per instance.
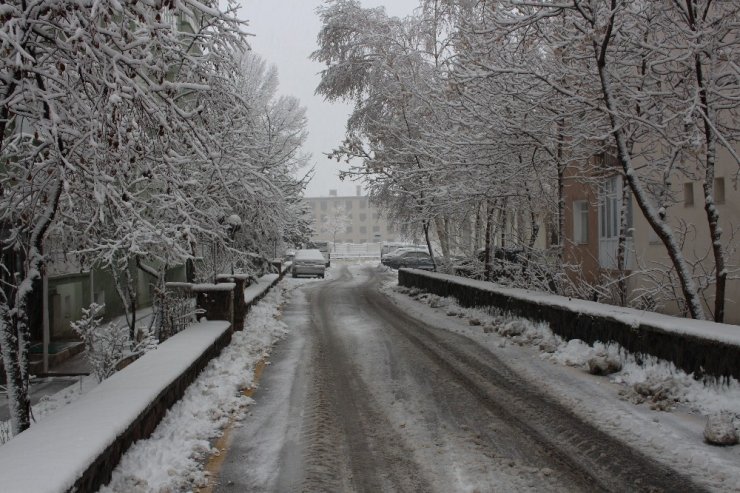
(413, 260)
(508, 254)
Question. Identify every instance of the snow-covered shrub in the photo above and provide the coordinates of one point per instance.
(173, 313)
(105, 345)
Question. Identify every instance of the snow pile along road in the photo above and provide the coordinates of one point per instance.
(172, 458)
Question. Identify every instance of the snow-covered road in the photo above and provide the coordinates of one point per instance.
(363, 396)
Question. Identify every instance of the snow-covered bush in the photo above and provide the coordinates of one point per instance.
(105, 345)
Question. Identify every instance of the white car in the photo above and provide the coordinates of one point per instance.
(309, 262)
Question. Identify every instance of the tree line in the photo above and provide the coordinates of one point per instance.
(468, 111)
(135, 135)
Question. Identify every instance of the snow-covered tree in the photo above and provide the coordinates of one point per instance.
(636, 64)
(97, 107)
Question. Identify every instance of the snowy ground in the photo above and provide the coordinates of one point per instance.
(649, 403)
(659, 410)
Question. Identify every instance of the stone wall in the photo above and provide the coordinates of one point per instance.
(689, 350)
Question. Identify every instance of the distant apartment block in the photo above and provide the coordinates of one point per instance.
(350, 219)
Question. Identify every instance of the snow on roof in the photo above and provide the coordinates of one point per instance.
(52, 454)
(725, 333)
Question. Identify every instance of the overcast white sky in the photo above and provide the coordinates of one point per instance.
(285, 35)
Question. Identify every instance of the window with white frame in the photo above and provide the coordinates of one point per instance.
(580, 222)
(610, 209)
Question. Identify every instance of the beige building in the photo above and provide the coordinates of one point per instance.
(593, 200)
(350, 219)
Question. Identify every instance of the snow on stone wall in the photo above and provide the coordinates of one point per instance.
(698, 347)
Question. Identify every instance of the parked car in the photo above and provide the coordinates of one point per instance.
(391, 247)
(308, 262)
(388, 257)
(323, 247)
(414, 259)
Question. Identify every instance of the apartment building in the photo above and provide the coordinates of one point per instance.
(349, 219)
(594, 202)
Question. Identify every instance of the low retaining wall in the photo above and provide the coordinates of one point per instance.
(258, 290)
(699, 347)
(100, 471)
(77, 447)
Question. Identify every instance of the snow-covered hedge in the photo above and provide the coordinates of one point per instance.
(697, 347)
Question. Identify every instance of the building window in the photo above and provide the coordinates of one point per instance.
(363, 217)
(349, 205)
(323, 205)
(363, 230)
(688, 194)
(363, 204)
(376, 229)
(580, 222)
(610, 209)
(376, 216)
(719, 190)
(349, 229)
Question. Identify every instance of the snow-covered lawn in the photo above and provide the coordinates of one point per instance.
(649, 403)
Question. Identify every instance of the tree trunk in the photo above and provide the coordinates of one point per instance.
(622, 246)
(660, 226)
(15, 336)
(478, 229)
(504, 222)
(425, 227)
(561, 195)
(444, 238)
(15, 354)
(710, 208)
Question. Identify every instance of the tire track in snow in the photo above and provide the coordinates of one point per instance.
(350, 443)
